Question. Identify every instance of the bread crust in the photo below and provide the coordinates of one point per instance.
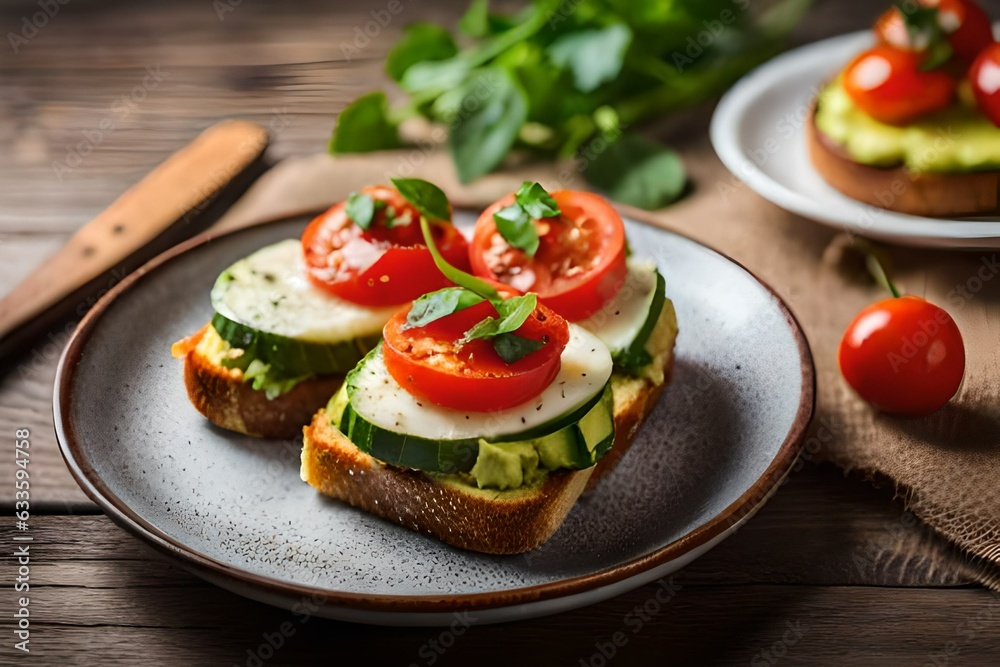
(897, 188)
(493, 522)
(226, 400)
(488, 521)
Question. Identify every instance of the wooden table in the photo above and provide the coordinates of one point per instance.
(832, 570)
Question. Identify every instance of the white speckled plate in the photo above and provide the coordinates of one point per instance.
(233, 510)
(757, 130)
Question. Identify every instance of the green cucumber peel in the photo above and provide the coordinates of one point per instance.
(635, 357)
(565, 442)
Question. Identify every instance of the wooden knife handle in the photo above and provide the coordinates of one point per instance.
(174, 194)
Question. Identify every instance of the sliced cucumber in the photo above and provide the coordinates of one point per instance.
(627, 321)
(573, 441)
(636, 355)
(584, 371)
(268, 291)
(291, 357)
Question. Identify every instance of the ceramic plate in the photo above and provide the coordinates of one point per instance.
(233, 510)
(757, 130)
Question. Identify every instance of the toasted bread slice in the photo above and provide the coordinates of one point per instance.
(897, 188)
(454, 511)
(458, 512)
(227, 400)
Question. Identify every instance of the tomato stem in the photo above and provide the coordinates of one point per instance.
(878, 271)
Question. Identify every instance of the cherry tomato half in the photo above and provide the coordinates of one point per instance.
(904, 356)
(887, 84)
(431, 364)
(984, 75)
(964, 22)
(580, 262)
(386, 264)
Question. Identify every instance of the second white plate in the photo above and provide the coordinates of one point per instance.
(758, 133)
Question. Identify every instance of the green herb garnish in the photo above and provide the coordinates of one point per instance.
(360, 208)
(924, 31)
(364, 126)
(512, 347)
(435, 305)
(512, 312)
(516, 222)
(426, 197)
(546, 77)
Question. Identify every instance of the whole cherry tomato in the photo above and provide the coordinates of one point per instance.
(888, 84)
(903, 355)
(964, 23)
(984, 76)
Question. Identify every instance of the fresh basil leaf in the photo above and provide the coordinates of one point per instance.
(924, 32)
(593, 56)
(517, 228)
(637, 171)
(457, 276)
(436, 75)
(360, 209)
(536, 202)
(658, 16)
(511, 347)
(479, 22)
(938, 53)
(390, 215)
(513, 312)
(516, 222)
(435, 305)
(920, 21)
(364, 126)
(421, 42)
(481, 139)
(476, 21)
(426, 197)
(483, 329)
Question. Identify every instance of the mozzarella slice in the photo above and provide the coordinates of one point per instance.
(269, 291)
(377, 397)
(619, 322)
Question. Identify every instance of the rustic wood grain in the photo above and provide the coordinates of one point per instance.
(716, 625)
(845, 533)
(866, 584)
(178, 187)
(97, 590)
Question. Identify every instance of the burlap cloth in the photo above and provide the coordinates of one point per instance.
(946, 466)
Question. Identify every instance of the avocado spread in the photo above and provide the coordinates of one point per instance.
(504, 465)
(957, 139)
